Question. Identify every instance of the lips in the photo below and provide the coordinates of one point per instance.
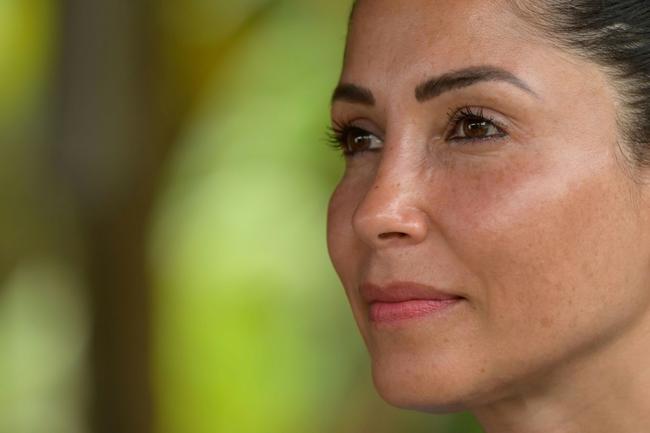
(399, 301)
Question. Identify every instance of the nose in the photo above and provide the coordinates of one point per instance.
(389, 215)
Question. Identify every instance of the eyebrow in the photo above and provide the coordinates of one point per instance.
(354, 94)
(435, 86)
(464, 78)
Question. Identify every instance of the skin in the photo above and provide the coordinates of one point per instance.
(545, 231)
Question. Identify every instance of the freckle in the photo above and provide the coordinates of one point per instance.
(546, 322)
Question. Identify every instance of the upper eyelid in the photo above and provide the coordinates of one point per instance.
(357, 122)
(456, 115)
(465, 111)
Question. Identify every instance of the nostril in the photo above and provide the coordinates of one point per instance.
(389, 235)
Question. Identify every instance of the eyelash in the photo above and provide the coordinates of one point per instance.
(337, 134)
(474, 114)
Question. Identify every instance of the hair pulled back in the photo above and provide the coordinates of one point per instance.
(614, 34)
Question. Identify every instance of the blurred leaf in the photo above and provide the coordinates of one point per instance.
(42, 341)
(26, 30)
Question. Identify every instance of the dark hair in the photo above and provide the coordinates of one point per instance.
(614, 34)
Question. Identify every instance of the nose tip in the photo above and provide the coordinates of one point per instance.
(382, 220)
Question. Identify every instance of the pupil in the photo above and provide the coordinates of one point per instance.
(475, 128)
(359, 142)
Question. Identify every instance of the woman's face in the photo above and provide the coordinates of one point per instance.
(486, 230)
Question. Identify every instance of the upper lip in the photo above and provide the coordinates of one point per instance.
(402, 291)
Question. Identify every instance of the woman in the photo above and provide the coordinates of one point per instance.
(492, 227)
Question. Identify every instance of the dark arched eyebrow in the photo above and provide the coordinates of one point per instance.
(466, 77)
(353, 93)
(435, 86)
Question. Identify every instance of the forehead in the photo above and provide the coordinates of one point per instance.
(398, 41)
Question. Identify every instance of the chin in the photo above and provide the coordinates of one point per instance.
(409, 387)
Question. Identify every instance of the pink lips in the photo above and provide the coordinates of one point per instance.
(401, 300)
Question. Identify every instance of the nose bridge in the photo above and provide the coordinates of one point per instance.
(390, 209)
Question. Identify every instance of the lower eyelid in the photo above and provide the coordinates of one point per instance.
(495, 137)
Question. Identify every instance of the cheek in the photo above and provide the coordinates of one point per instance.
(345, 251)
(553, 249)
(341, 243)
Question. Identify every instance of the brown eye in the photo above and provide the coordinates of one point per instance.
(357, 140)
(469, 126)
(476, 128)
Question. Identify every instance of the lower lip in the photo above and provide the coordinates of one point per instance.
(385, 312)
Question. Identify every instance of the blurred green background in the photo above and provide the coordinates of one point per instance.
(163, 188)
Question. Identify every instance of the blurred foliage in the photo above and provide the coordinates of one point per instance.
(43, 323)
(26, 29)
(43, 320)
(43, 332)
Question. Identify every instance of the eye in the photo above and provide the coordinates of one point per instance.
(473, 125)
(352, 140)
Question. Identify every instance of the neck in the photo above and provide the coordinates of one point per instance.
(604, 391)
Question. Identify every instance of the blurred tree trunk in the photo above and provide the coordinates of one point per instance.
(116, 118)
(108, 151)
